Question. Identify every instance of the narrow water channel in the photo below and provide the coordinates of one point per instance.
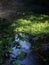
(25, 49)
(21, 54)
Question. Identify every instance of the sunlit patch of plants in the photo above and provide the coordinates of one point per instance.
(32, 24)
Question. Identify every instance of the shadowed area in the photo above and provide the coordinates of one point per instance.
(10, 8)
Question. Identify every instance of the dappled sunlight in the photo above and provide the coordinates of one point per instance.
(21, 22)
(33, 27)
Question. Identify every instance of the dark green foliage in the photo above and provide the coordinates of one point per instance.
(5, 38)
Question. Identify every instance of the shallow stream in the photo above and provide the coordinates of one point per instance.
(21, 54)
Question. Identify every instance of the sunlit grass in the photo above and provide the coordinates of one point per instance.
(32, 24)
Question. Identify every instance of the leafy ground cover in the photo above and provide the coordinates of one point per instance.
(32, 24)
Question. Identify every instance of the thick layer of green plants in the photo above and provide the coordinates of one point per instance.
(32, 24)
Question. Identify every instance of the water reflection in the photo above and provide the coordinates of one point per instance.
(25, 48)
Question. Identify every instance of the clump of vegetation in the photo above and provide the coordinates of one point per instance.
(32, 24)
